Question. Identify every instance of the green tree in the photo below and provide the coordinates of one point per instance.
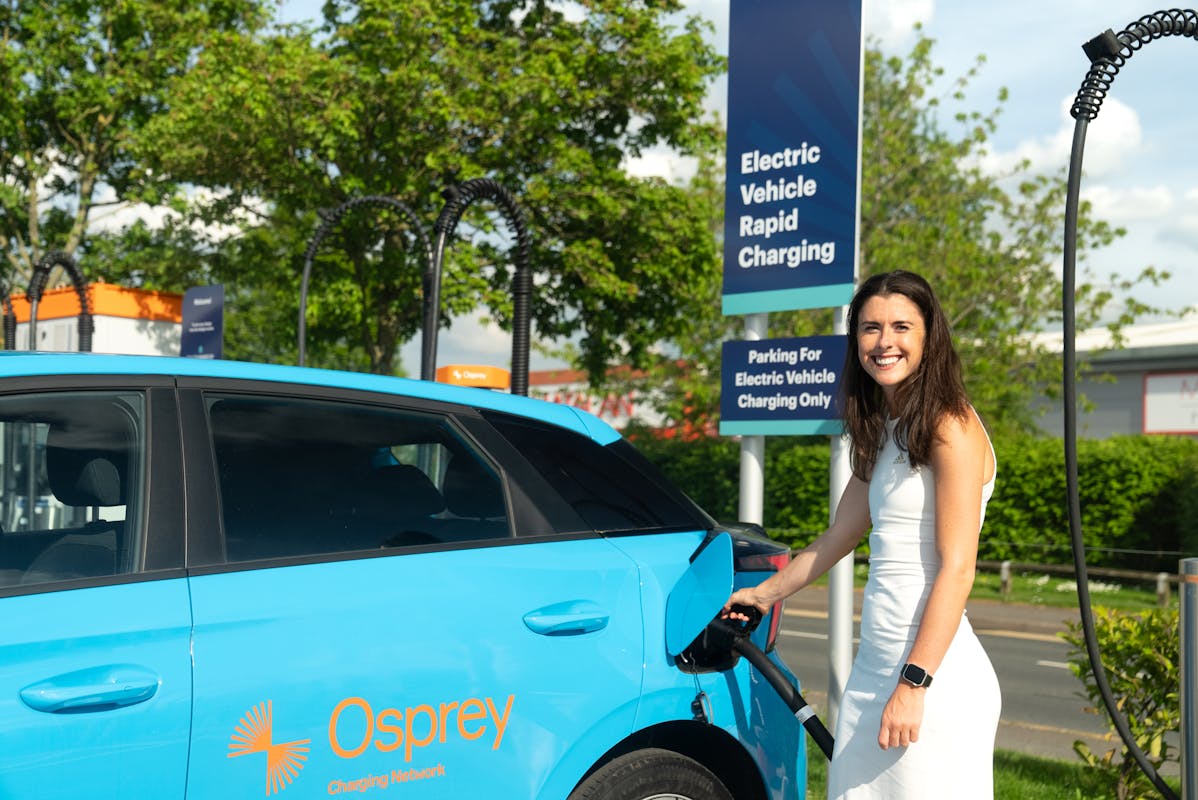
(400, 98)
(79, 80)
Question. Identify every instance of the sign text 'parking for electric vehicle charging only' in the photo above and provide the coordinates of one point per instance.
(781, 386)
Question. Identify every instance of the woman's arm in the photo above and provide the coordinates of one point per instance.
(961, 464)
(849, 524)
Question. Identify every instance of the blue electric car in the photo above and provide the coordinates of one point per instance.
(223, 580)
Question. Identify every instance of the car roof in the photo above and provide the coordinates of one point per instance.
(28, 364)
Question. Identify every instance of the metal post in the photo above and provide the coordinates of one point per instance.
(1189, 677)
(840, 577)
(751, 506)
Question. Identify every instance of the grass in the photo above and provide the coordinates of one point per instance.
(1059, 591)
(1050, 591)
(1017, 776)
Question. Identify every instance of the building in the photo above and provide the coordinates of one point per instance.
(1150, 385)
(130, 321)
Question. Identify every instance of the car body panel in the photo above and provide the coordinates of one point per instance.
(86, 646)
(391, 638)
(505, 667)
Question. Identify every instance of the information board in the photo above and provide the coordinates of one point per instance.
(1171, 402)
(781, 386)
(203, 322)
(790, 214)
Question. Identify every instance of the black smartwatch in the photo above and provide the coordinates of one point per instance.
(915, 676)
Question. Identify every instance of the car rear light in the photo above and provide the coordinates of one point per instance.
(770, 561)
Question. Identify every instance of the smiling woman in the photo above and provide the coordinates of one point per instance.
(920, 710)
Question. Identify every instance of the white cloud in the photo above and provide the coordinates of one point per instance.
(1123, 205)
(1184, 230)
(661, 162)
(891, 21)
(112, 219)
(1111, 140)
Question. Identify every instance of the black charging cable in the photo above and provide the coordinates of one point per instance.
(9, 320)
(37, 285)
(1108, 52)
(457, 199)
(329, 219)
(730, 635)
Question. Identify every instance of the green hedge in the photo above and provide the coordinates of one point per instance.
(1138, 494)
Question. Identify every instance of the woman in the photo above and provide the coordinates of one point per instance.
(922, 472)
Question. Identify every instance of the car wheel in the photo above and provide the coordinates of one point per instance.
(652, 775)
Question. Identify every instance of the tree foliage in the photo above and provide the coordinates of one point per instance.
(401, 98)
(244, 132)
(80, 80)
(1140, 657)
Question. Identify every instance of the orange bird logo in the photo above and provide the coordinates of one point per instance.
(254, 734)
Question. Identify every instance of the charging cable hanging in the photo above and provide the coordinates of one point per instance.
(457, 199)
(9, 320)
(37, 286)
(328, 221)
(1108, 52)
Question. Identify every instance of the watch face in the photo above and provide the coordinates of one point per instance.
(914, 675)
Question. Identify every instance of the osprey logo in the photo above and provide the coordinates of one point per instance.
(254, 735)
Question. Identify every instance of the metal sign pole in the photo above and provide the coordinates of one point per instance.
(751, 505)
(840, 577)
(1189, 677)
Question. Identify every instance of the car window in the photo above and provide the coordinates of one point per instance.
(611, 487)
(303, 477)
(71, 468)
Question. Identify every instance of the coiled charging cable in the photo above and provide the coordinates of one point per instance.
(1108, 52)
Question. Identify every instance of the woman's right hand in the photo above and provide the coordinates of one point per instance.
(749, 596)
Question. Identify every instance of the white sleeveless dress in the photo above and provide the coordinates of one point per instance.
(954, 756)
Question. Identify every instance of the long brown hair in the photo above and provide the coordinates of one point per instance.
(935, 389)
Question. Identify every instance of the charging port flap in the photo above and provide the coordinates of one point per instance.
(699, 594)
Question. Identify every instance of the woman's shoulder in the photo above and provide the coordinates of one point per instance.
(962, 439)
(961, 428)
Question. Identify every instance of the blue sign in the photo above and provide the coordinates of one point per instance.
(781, 386)
(790, 212)
(203, 322)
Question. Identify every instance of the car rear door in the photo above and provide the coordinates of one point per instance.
(370, 617)
(95, 672)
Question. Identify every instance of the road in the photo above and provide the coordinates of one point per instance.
(1043, 710)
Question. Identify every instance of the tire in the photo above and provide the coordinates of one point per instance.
(652, 774)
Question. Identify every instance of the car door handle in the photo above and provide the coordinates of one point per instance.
(93, 689)
(570, 618)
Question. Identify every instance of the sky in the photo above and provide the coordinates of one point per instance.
(1139, 168)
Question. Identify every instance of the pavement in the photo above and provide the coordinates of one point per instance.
(984, 615)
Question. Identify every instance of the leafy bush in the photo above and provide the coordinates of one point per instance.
(1138, 494)
(1134, 492)
(1140, 653)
